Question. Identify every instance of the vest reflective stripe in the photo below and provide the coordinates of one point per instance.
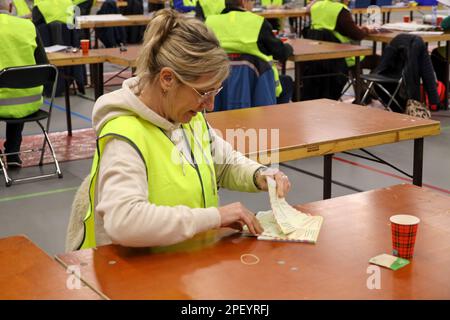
(212, 7)
(22, 8)
(324, 15)
(56, 10)
(171, 182)
(272, 2)
(18, 43)
(238, 32)
(19, 100)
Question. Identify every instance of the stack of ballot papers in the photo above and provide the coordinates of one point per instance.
(285, 223)
(402, 26)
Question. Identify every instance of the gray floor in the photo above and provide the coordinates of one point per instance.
(41, 209)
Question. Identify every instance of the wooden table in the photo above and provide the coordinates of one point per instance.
(283, 13)
(131, 20)
(356, 228)
(298, 16)
(27, 272)
(386, 12)
(122, 58)
(313, 50)
(385, 38)
(96, 58)
(67, 59)
(321, 128)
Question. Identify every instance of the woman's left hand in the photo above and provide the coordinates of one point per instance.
(282, 180)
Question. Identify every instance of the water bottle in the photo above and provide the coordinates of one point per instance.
(434, 15)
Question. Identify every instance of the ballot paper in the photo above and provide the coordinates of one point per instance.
(55, 48)
(285, 223)
(101, 17)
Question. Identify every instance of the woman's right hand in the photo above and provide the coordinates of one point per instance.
(235, 215)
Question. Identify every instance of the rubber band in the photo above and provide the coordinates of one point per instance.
(249, 255)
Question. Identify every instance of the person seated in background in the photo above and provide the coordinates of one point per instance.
(336, 17)
(22, 8)
(206, 8)
(184, 6)
(48, 11)
(241, 31)
(274, 4)
(20, 46)
(155, 175)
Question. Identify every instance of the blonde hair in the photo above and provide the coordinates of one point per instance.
(183, 44)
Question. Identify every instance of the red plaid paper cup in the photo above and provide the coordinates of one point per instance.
(404, 230)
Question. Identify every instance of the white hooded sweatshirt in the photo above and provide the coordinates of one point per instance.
(123, 213)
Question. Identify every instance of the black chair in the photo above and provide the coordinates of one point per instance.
(380, 82)
(24, 78)
(386, 80)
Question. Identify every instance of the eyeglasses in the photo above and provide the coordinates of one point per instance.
(203, 97)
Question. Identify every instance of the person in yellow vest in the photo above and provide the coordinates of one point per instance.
(241, 31)
(20, 46)
(269, 4)
(48, 11)
(207, 8)
(22, 9)
(155, 175)
(336, 17)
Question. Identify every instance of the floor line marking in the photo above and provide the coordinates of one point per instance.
(389, 174)
(37, 194)
(79, 115)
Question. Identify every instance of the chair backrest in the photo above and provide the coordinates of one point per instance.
(29, 77)
(251, 83)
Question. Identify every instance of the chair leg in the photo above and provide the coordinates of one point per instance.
(366, 93)
(392, 96)
(395, 93)
(8, 180)
(52, 151)
(347, 86)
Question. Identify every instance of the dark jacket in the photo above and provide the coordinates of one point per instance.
(408, 55)
(111, 36)
(134, 34)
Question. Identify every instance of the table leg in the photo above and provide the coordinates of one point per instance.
(98, 79)
(327, 175)
(411, 15)
(388, 17)
(67, 101)
(357, 80)
(298, 81)
(418, 162)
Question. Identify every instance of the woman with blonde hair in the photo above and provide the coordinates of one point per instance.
(157, 168)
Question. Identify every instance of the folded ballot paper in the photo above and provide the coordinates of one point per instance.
(285, 223)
